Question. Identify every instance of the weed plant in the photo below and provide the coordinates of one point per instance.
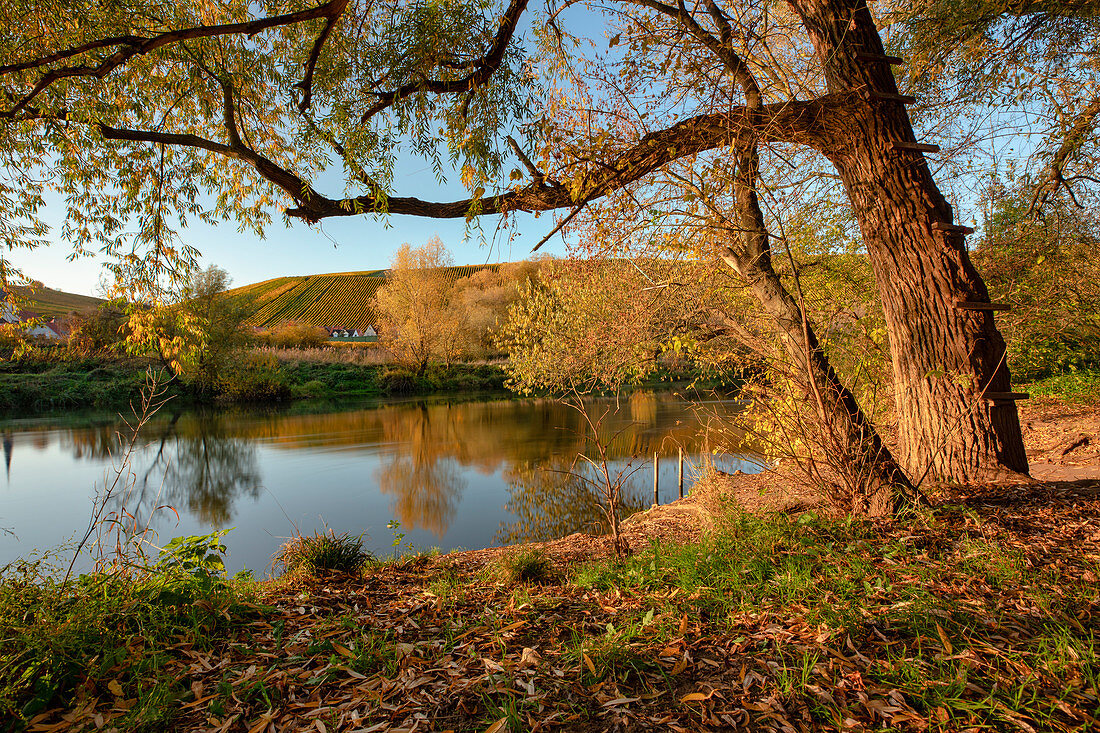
(108, 634)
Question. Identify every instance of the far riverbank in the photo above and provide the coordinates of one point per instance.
(48, 384)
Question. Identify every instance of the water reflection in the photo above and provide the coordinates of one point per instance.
(429, 463)
(550, 500)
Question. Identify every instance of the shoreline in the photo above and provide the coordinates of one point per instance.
(41, 387)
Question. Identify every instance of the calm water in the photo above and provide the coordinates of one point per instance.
(463, 475)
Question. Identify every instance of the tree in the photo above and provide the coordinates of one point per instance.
(1031, 61)
(201, 337)
(416, 321)
(100, 328)
(214, 122)
(481, 302)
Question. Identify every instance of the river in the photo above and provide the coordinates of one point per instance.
(452, 474)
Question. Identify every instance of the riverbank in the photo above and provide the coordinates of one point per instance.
(48, 385)
(58, 382)
(979, 614)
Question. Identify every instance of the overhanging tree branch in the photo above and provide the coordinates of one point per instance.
(484, 67)
(816, 123)
(137, 45)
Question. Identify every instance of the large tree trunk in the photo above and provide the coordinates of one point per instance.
(956, 418)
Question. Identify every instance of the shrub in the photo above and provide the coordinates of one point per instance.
(12, 340)
(100, 329)
(258, 379)
(322, 553)
(104, 631)
(295, 335)
(399, 380)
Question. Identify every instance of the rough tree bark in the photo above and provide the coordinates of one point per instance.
(952, 387)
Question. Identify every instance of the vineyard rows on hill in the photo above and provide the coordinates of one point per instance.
(341, 300)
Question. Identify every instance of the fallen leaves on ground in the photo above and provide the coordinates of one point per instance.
(386, 652)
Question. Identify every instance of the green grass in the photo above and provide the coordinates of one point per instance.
(323, 552)
(56, 303)
(943, 606)
(1076, 386)
(826, 617)
(57, 381)
(527, 565)
(106, 635)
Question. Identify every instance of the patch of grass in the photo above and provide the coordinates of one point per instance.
(934, 603)
(61, 380)
(323, 552)
(622, 650)
(527, 565)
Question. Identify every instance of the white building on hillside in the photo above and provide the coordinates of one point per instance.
(49, 329)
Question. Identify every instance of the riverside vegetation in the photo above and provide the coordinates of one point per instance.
(974, 614)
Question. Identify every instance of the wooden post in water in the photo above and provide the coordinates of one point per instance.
(656, 466)
(680, 473)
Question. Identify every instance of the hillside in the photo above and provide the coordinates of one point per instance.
(341, 299)
(49, 302)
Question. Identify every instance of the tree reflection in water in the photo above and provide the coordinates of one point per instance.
(201, 462)
(424, 475)
(207, 462)
(550, 502)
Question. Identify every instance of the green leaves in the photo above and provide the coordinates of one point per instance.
(208, 128)
(202, 556)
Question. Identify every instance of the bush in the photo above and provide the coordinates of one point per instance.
(13, 341)
(258, 379)
(1035, 356)
(104, 633)
(295, 335)
(312, 389)
(99, 330)
(399, 380)
(323, 553)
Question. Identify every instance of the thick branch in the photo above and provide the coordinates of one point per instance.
(136, 46)
(819, 124)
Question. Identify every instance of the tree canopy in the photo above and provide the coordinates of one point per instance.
(140, 110)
